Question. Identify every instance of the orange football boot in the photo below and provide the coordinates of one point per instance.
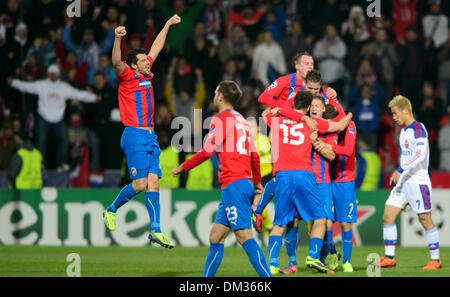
(433, 264)
(385, 262)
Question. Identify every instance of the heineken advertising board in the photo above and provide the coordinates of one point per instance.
(73, 217)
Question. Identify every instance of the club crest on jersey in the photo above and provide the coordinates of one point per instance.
(406, 143)
(292, 95)
(133, 171)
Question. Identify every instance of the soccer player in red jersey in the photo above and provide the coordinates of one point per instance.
(239, 174)
(342, 172)
(296, 183)
(313, 84)
(287, 86)
(139, 141)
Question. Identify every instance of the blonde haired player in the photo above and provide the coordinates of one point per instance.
(412, 184)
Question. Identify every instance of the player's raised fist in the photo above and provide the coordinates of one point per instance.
(175, 19)
(120, 32)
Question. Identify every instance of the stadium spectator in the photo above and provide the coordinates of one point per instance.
(329, 53)
(405, 15)
(178, 34)
(355, 25)
(230, 73)
(77, 136)
(25, 170)
(444, 146)
(386, 54)
(367, 114)
(274, 21)
(245, 16)
(212, 18)
(88, 51)
(105, 67)
(184, 91)
(429, 113)
(268, 60)
(9, 143)
(444, 74)
(234, 45)
(435, 26)
(411, 53)
(145, 13)
(52, 96)
(295, 42)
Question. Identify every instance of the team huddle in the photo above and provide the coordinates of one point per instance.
(313, 155)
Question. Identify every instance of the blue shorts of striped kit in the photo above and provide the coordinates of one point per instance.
(297, 191)
(235, 207)
(344, 198)
(142, 151)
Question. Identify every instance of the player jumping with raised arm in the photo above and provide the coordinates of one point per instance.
(239, 174)
(412, 185)
(139, 141)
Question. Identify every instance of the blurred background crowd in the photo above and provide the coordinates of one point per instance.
(366, 59)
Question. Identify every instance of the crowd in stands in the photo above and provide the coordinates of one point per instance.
(367, 60)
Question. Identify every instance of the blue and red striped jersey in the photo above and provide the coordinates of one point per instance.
(136, 98)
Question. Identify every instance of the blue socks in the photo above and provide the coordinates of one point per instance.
(315, 246)
(330, 243)
(275, 243)
(153, 208)
(291, 241)
(124, 196)
(347, 245)
(257, 258)
(268, 193)
(213, 259)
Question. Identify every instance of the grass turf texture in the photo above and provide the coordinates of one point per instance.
(25, 261)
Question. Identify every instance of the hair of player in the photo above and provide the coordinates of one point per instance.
(401, 102)
(319, 97)
(303, 100)
(330, 112)
(313, 76)
(132, 58)
(298, 56)
(230, 91)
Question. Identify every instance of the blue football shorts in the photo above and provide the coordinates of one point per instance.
(297, 191)
(344, 198)
(141, 149)
(235, 207)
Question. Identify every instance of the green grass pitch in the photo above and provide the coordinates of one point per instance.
(149, 261)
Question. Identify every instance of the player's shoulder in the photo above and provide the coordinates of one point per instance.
(416, 130)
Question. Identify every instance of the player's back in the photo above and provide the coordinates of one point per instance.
(291, 144)
(282, 88)
(235, 151)
(415, 147)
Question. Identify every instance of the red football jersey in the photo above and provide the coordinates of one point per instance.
(291, 143)
(321, 165)
(136, 98)
(229, 137)
(342, 169)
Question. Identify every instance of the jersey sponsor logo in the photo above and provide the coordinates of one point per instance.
(145, 84)
(292, 95)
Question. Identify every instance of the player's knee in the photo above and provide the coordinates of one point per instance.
(346, 226)
(329, 225)
(140, 185)
(388, 219)
(426, 221)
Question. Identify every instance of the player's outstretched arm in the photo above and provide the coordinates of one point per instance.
(160, 40)
(117, 63)
(341, 125)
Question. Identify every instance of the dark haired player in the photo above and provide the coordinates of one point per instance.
(139, 141)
